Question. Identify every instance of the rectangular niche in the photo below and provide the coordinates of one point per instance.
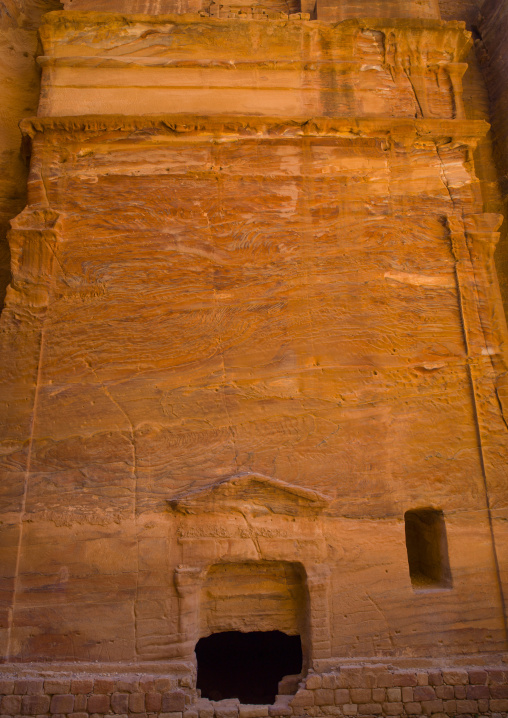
(427, 549)
(254, 596)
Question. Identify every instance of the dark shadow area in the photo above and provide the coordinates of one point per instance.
(427, 549)
(247, 666)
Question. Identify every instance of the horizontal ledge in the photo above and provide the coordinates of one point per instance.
(79, 18)
(229, 65)
(83, 669)
(59, 669)
(216, 127)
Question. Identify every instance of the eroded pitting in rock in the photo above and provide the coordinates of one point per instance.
(247, 666)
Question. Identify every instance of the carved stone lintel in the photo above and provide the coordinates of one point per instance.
(246, 493)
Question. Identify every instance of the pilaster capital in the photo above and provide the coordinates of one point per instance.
(188, 579)
(482, 228)
(318, 575)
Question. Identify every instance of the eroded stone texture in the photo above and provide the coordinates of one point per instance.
(254, 319)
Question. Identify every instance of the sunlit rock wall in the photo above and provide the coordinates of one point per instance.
(243, 289)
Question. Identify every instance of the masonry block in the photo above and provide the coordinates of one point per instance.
(63, 703)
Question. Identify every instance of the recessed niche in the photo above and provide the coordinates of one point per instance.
(247, 666)
(255, 596)
(427, 549)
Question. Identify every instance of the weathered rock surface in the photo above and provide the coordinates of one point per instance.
(244, 306)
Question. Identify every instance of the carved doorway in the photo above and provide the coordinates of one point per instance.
(252, 558)
(253, 625)
(248, 666)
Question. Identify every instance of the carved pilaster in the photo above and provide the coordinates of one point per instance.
(482, 238)
(318, 582)
(188, 581)
(456, 72)
(408, 54)
(473, 242)
(468, 297)
(33, 239)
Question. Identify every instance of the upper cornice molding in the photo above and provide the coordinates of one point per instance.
(71, 34)
(247, 493)
(106, 63)
(74, 18)
(324, 9)
(401, 130)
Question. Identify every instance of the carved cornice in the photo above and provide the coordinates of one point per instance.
(76, 18)
(126, 62)
(248, 491)
(400, 130)
(413, 39)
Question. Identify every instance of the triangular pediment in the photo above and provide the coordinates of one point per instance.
(250, 493)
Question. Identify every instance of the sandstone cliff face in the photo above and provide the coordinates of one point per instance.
(293, 300)
(20, 89)
(253, 345)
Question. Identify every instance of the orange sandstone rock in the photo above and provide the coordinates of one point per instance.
(254, 361)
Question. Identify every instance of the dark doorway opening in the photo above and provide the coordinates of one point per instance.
(247, 666)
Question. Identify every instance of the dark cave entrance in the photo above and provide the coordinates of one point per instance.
(247, 666)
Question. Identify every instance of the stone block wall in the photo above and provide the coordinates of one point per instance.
(362, 690)
(94, 695)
